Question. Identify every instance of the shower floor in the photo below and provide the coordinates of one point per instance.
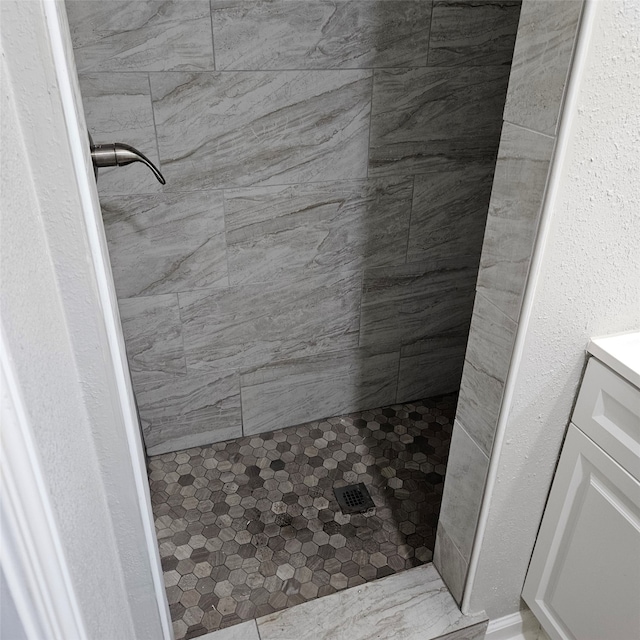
(251, 526)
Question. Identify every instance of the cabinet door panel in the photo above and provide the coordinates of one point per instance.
(608, 411)
(584, 578)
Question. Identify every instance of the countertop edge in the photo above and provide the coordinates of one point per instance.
(621, 353)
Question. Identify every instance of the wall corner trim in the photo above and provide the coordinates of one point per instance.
(66, 75)
(578, 62)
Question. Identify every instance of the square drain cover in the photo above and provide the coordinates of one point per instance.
(354, 498)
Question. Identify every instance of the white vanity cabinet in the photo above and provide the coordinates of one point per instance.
(584, 579)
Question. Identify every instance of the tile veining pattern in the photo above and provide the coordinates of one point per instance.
(329, 168)
(541, 61)
(251, 526)
(412, 605)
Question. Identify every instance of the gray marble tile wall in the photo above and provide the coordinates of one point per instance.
(541, 61)
(329, 166)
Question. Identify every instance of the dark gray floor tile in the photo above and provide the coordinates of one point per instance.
(251, 526)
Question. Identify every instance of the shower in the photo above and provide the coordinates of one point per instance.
(296, 299)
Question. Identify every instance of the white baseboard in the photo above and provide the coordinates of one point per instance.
(517, 626)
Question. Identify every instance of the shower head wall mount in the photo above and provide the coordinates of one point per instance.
(118, 154)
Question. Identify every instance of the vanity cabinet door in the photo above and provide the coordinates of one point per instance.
(584, 579)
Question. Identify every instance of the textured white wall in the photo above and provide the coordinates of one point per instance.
(588, 285)
(54, 329)
(37, 334)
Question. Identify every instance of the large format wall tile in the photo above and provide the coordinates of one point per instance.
(165, 243)
(321, 386)
(294, 172)
(430, 367)
(430, 119)
(545, 40)
(449, 212)
(286, 232)
(512, 224)
(404, 304)
(478, 32)
(141, 35)
(320, 34)
(232, 129)
(153, 335)
(189, 410)
(463, 490)
(117, 107)
(450, 564)
(485, 371)
(541, 61)
(253, 325)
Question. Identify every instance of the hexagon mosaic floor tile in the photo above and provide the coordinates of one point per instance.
(251, 526)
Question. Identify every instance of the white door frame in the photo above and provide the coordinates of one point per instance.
(67, 75)
(49, 601)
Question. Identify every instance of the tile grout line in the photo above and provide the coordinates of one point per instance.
(224, 231)
(454, 545)
(480, 292)
(362, 277)
(430, 33)
(259, 186)
(552, 136)
(398, 372)
(213, 40)
(373, 75)
(155, 127)
(198, 70)
(184, 348)
(241, 404)
(413, 194)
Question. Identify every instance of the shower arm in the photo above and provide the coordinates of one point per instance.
(118, 154)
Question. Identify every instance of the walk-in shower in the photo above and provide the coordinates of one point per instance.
(296, 299)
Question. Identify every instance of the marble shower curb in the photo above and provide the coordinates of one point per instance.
(412, 605)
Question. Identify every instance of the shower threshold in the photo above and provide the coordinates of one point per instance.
(251, 526)
(412, 605)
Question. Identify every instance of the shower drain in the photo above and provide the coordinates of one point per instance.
(354, 498)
